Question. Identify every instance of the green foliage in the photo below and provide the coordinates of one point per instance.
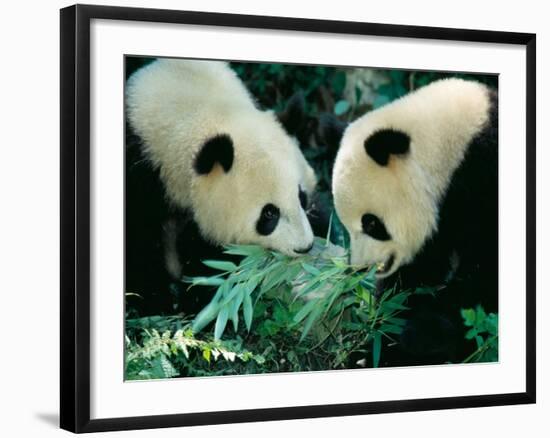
(274, 84)
(341, 107)
(312, 300)
(287, 314)
(163, 355)
(263, 271)
(483, 329)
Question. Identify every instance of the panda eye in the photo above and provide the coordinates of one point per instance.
(303, 198)
(269, 218)
(373, 227)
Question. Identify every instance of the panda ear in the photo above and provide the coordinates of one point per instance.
(386, 142)
(330, 131)
(293, 116)
(218, 149)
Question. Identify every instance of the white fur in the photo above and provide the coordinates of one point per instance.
(175, 106)
(441, 119)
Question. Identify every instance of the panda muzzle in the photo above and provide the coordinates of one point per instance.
(304, 250)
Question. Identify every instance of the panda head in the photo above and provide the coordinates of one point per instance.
(381, 199)
(251, 185)
(395, 164)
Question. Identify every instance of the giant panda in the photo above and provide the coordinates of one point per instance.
(205, 168)
(415, 183)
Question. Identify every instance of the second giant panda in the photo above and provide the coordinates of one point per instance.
(416, 185)
(205, 168)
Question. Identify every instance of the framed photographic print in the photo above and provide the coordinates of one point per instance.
(269, 218)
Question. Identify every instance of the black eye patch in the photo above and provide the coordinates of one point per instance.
(373, 227)
(303, 198)
(268, 220)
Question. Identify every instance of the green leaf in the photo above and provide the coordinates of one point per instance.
(308, 287)
(425, 291)
(492, 324)
(245, 250)
(274, 277)
(232, 294)
(397, 321)
(376, 349)
(268, 328)
(392, 305)
(220, 265)
(204, 281)
(304, 311)
(480, 315)
(235, 305)
(311, 269)
(247, 311)
(251, 284)
(325, 275)
(309, 321)
(479, 341)
(469, 316)
(334, 293)
(167, 368)
(341, 107)
(339, 83)
(388, 328)
(281, 314)
(221, 322)
(205, 316)
(358, 94)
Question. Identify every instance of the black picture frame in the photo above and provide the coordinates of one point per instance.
(75, 217)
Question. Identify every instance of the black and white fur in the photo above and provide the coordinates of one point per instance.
(206, 168)
(416, 185)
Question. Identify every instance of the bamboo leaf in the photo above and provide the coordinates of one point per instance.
(392, 306)
(247, 311)
(220, 265)
(397, 321)
(334, 294)
(203, 281)
(232, 294)
(308, 287)
(235, 309)
(376, 348)
(311, 269)
(221, 322)
(341, 107)
(309, 321)
(389, 328)
(205, 316)
(304, 311)
(245, 250)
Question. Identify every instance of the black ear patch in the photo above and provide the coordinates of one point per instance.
(330, 131)
(218, 149)
(382, 144)
(293, 117)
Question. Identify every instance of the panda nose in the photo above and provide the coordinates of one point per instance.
(304, 250)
